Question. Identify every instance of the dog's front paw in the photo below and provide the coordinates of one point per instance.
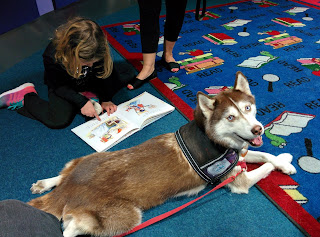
(283, 163)
(287, 157)
(38, 187)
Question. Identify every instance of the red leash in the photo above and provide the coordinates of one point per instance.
(170, 213)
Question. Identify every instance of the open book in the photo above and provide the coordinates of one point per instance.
(255, 62)
(130, 117)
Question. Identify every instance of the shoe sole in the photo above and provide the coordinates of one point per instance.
(25, 85)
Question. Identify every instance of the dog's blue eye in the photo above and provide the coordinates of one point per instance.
(248, 107)
(230, 117)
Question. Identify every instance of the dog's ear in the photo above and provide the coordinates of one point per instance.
(205, 103)
(242, 84)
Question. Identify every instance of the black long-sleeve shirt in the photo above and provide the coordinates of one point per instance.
(57, 79)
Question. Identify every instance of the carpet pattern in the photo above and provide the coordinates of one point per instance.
(276, 45)
(312, 3)
(30, 151)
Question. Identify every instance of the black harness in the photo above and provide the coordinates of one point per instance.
(211, 161)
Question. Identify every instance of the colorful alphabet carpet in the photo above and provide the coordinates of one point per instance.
(276, 45)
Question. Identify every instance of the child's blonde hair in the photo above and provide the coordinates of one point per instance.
(82, 38)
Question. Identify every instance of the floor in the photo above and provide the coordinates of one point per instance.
(22, 42)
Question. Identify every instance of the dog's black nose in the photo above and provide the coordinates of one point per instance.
(256, 130)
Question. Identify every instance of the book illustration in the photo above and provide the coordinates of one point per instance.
(194, 52)
(138, 107)
(220, 39)
(265, 3)
(214, 90)
(174, 83)
(280, 41)
(271, 32)
(293, 11)
(258, 61)
(131, 29)
(291, 188)
(209, 15)
(284, 125)
(115, 125)
(311, 63)
(130, 117)
(106, 130)
(288, 22)
(235, 23)
(200, 62)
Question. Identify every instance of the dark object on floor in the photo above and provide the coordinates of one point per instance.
(20, 219)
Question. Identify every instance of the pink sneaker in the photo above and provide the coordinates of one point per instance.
(14, 99)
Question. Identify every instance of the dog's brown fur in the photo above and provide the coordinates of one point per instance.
(104, 193)
(106, 188)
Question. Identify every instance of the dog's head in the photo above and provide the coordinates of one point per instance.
(229, 118)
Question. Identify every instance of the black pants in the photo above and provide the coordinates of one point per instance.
(58, 113)
(55, 113)
(20, 219)
(149, 22)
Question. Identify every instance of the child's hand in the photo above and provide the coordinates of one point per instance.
(89, 111)
(109, 107)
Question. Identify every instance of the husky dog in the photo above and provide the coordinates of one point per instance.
(104, 194)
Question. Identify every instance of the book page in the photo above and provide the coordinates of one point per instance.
(144, 107)
(130, 117)
(152, 119)
(102, 135)
(290, 123)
